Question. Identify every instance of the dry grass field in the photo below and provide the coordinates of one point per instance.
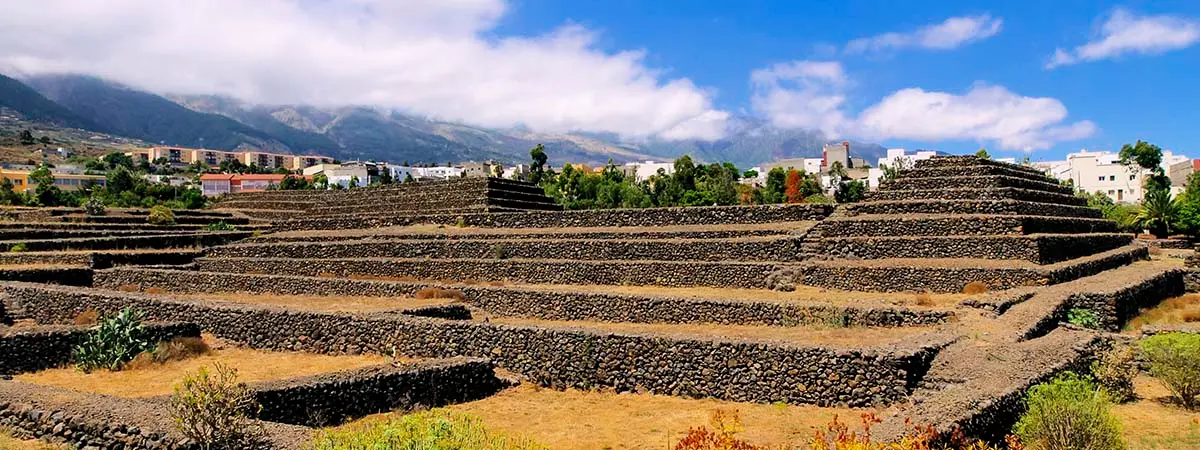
(1153, 423)
(1178, 310)
(579, 420)
(8, 442)
(160, 379)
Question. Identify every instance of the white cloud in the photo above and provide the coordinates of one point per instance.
(801, 94)
(1125, 32)
(985, 113)
(432, 57)
(807, 94)
(952, 33)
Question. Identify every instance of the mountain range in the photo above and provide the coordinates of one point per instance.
(358, 132)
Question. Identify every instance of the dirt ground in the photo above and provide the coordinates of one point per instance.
(252, 365)
(579, 420)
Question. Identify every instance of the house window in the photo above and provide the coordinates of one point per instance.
(1101, 177)
(1132, 177)
(1112, 178)
(1110, 192)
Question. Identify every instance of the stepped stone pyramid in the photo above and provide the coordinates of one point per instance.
(463, 195)
(955, 220)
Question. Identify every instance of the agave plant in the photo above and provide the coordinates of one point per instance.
(1157, 212)
(113, 342)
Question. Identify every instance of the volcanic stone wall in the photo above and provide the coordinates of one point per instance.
(32, 349)
(331, 398)
(865, 276)
(1041, 249)
(75, 276)
(737, 370)
(962, 226)
(542, 304)
(1116, 308)
(749, 275)
(744, 249)
(91, 421)
(203, 239)
(1005, 193)
(973, 182)
(970, 207)
(648, 217)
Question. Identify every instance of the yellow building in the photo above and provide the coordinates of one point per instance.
(64, 181)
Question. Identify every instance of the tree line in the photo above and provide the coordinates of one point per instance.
(689, 184)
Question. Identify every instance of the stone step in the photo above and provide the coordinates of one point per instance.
(942, 172)
(973, 182)
(1037, 248)
(1013, 207)
(960, 225)
(971, 161)
(272, 205)
(740, 249)
(747, 275)
(632, 233)
(1006, 193)
(160, 241)
(185, 220)
(951, 275)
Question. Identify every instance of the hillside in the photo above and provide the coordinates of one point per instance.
(128, 112)
(355, 132)
(35, 107)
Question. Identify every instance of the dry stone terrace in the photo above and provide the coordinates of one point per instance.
(861, 305)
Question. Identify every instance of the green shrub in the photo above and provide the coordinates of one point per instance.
(1114, 371)
(113, 342)
(94, 207)
(219, 226)
(430, 430)
(1083, 317)
(161, 215)
(1068, 412)
(215, 410)
(18, 247)
(1175, 361)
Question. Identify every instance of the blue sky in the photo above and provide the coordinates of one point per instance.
(716, 43)
(1048, 77)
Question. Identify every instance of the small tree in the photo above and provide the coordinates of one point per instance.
(1069, 412)
(1158, 212)
(161, 215)
(385, 176)
(983, 153)
(26, 137)
(215, 410)
(1175, 361)
(792, 188)
(353, 182)
(537, 169)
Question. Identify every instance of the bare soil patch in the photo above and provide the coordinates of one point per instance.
(154, 380)
(1152, 422)
(809, 335)
(578, 420)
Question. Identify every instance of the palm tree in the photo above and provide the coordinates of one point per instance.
(1157, 212)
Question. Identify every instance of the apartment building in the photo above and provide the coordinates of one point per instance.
(65, 181)
(642, 171)
(214, 158)
(1099, 171)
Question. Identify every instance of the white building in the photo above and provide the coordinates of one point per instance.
(1097, 171)
(345, 174)
(896, 157)
(642, 171)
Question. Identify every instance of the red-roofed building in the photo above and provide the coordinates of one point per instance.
(213, 184)
(222, 183)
